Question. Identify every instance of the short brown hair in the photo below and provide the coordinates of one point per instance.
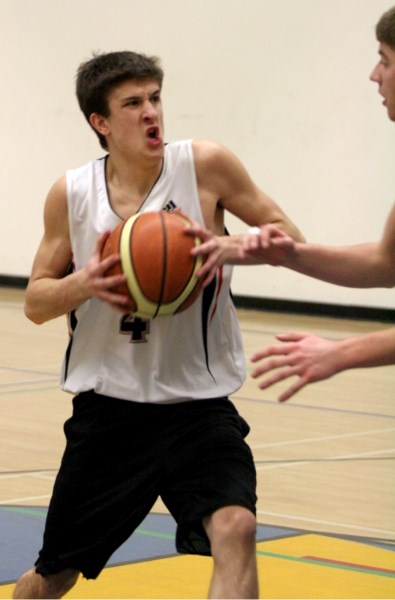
(97, 77)
(385, 28)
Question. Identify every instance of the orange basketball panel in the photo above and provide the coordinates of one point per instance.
(147, 253)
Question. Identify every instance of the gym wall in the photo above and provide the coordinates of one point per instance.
(282, 83)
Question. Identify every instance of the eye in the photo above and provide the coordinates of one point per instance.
(132, 102)
(384, 61)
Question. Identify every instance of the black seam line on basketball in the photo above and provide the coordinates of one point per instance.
(164, 265)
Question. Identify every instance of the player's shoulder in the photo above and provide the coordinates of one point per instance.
(86, 170)
(208, 147)
(56, 200)
(58, 188)
(211, 153)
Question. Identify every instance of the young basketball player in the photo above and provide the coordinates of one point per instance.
(308, 356)
(151, 413)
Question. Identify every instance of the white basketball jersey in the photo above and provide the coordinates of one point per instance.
(195, 354)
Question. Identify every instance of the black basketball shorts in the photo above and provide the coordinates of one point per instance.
(121, 456)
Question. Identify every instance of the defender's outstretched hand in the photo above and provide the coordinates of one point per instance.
(309, 357)
(267, 244)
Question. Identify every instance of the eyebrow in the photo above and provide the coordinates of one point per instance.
(139, 96)
(383, 54)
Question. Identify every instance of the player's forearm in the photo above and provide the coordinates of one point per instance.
(48, 298)
(359, 266)
(371, 350)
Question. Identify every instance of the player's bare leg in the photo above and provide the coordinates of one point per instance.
(33, 585)
(232, 534)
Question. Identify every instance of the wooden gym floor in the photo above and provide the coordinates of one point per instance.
(325, 463)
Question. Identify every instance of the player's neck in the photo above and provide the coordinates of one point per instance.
(139, 175)
(129, 184)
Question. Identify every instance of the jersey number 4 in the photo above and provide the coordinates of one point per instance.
(135, 327)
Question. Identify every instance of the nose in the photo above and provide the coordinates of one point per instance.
(149, 110)
(375, 74)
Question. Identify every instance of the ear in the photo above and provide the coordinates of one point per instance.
(99, 123)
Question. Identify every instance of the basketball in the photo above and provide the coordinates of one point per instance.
(156, 258)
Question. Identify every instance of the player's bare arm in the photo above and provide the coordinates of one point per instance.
(224, 184)
(386, 252)
(311, 358)
(53, 290)
(362, 265)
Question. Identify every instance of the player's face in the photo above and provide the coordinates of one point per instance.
(384, 75)
(135, 123)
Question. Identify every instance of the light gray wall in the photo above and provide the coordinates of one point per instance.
(283, 83)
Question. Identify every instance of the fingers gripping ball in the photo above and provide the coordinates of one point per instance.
(156, 258)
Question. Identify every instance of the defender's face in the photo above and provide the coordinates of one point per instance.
(135, 123)
(384, 75)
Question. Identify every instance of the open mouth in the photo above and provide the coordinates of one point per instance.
(153, 133)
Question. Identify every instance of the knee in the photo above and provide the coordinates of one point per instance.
(34, 585)
(233, 525)
(57, 585)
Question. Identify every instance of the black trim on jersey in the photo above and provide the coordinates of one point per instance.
(208, 295)
(72, 324)
(72, 319)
